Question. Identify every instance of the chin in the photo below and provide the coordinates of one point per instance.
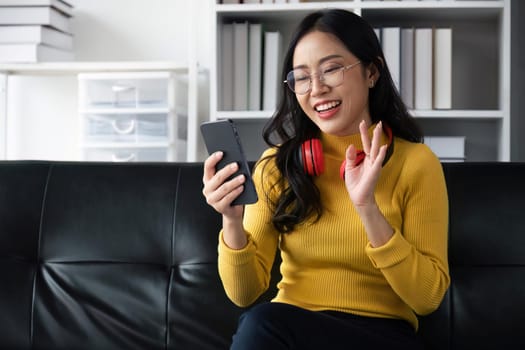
(333, 128)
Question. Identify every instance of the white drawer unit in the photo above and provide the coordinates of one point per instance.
(133, 116)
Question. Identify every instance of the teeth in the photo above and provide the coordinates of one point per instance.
(327, 106)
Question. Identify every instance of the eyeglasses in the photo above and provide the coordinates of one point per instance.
(332, 75)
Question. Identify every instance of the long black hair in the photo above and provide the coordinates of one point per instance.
(289, 127)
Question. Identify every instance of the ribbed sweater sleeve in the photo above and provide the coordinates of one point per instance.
(245, 273)
(414, 261)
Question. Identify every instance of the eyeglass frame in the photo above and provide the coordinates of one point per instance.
(321, 78)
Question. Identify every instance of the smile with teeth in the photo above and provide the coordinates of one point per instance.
(326, 106)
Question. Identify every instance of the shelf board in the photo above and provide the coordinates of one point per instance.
(458, 114)
(449, 114)
(468, 5)
(277, 12)
(65, 68)
(244, 115)
(295, 11)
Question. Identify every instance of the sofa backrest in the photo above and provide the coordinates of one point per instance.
(123, 256)
(106, 256)
(485, 305)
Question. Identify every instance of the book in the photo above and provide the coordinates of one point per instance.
(226, 91)
(61, 5)
(42, 15)
(407, 66)
(240, 64)
(32, 53)
(447, 148)
(271, 69)
(390, 42)
(36, 35)
(255, 67)
(442, 68)
(423, 68)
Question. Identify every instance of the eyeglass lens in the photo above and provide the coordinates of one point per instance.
(299, 81)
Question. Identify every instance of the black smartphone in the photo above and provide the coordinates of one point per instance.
(222, 135)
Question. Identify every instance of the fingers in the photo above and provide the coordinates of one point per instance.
(219, 188)
(209, 165)
(222, 197)
(371, 148)
(365, 138)
(376, 139)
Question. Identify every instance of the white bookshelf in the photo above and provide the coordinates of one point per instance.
(481, 63)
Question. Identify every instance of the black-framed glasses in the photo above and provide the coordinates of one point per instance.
(332, 75)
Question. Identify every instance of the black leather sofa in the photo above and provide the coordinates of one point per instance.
(123, 256)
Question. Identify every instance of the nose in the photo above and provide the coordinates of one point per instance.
(317, 84)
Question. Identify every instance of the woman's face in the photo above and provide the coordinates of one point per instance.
(335, 110)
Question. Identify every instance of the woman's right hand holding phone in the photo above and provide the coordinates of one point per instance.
(220, 192)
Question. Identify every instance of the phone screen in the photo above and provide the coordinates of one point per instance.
(222, 135)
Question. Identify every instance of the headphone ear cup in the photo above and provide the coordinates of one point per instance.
(360, 156)
(312, 157)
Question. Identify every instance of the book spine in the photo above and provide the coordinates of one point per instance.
(423, 69)
(272, 58)
(255, 67)
(37, 15)
(407, 66)
(443, 68)
(226, 67)
(32, 53)
(447, 148)
(390, 41)
(240, 64)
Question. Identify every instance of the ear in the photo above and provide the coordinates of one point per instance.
(373, 72)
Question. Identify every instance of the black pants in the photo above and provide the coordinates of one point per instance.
(278, 326)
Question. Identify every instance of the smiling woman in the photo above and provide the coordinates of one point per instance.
(362, 256)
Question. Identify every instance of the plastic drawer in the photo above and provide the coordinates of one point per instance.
(137, 90)
(126, 127)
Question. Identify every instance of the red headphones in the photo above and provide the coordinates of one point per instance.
(311, 155)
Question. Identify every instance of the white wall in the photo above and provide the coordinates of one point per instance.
(42, 121)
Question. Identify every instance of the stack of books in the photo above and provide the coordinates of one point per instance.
(35, 31)
(420, 62)
(250, 67)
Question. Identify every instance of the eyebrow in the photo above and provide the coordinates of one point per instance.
(321, 61)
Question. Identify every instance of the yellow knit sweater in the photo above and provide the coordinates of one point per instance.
(329, 264)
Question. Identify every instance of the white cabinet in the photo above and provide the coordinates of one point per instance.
(127, 111)
(138, 116)
(480, 109)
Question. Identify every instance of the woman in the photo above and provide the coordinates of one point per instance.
(361, 225)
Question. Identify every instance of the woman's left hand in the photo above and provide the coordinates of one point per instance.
(361, 179)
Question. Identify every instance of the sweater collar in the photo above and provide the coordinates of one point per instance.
(337, 145)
